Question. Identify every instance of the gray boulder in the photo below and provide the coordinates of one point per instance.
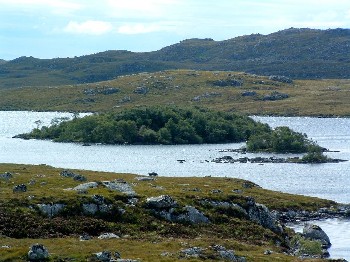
(161, 202)
(38, 252)
(314, 232)
(51, 210)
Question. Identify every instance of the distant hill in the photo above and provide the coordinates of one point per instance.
(296, 53)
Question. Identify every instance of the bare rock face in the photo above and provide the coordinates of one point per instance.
(38, 252)
(314, 232)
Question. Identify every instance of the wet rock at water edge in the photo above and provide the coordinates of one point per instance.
(38, 252)
(314, 232)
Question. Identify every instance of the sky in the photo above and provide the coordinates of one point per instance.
(68, 28)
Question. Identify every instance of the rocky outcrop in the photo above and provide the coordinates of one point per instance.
(77, 177)
(227, 82)
(164, 206)
(314, 232)
(51, 210)
(38, 252)
(190, 215)
(260, 214)
(98, 205)
(282, 79)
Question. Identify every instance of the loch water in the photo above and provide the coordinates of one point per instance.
(330, 180)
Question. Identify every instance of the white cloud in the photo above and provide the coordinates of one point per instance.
(89, 27)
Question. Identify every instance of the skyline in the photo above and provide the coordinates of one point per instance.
(68, 28)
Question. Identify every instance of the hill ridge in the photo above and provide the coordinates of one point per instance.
(301, 53)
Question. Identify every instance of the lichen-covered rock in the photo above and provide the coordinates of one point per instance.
(161, 202)
(51, 210)
(314, 232)
(38, 252)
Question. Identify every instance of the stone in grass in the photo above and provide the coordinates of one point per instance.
(19, 188)
(38, 252)
(6, 175)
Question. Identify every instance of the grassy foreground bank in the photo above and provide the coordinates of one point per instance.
(143, 235)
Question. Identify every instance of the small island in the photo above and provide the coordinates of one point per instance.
(172, 125)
